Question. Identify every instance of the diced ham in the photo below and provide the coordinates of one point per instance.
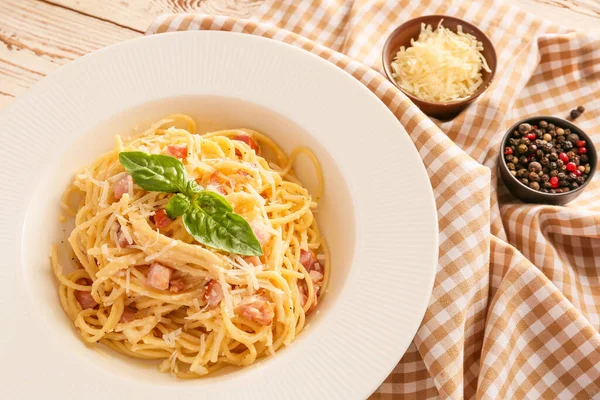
(249, 141)
(159, 276)
(261, 233)
(310, 262)
(177, 285)
(257, 309)
(308, 259)
(178, 150)
(304, 295)
(316, 276)
(121, 186)
(215, 185)
(121, 239)
(128, 314)
(161, 219)
(213, 294)
(254, 260)
(84, 298)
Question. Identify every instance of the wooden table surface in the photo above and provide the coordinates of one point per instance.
(38, 36)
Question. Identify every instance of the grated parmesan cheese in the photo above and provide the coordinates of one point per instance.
(250, 272)
(168, 247)
(171, 337)
(127, 280)
(441, 65)
(109, 224)
(226, 297)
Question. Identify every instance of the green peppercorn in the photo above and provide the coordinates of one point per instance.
(511, 166)
(543, 124)
(522, 148)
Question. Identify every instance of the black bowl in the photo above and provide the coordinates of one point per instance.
(527, 194)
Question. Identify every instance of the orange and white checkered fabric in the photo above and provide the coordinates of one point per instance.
(515, 310)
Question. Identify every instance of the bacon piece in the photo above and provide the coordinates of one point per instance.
(178, 150)
(215, 185)
(256, 308)
(128, 314)
(242, 137)
(254, 260)
(159, 276)
(308, 259)
(121, 186)
(213, 294)
(312, 266)
(121, 239)
(83, 297)
(261, 233)
(161, 219)
(177, 285)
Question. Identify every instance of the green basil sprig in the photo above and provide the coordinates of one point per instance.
(207, 216)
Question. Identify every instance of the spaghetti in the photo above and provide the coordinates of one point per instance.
(144, 287)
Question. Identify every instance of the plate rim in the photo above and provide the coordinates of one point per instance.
(55, 76)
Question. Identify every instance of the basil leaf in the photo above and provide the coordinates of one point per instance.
(155, 172)
(192, 188)
(213, 202)
(178, 205)
(210, 221)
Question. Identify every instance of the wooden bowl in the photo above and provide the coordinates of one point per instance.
(527, 194)
(402, 35)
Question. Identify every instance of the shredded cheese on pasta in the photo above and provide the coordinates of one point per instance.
(179, 325)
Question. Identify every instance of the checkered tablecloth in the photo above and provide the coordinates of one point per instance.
(515, 310)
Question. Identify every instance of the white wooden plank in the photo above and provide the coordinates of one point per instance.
(36, 38)
(138, 14)
(575, 14)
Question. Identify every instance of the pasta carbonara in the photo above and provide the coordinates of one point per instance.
(143, 285)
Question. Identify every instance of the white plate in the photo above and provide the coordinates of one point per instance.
(378, 212)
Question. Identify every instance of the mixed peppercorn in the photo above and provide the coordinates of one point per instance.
(547, 158)
(575, 113)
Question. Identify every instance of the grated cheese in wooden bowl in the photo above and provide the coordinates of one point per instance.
(441, 65)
